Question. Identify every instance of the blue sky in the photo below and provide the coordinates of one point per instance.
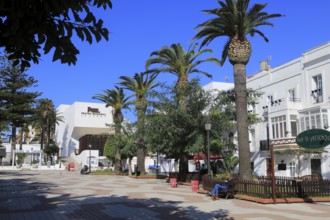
(138, 28)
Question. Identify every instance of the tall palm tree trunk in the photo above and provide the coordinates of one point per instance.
(42, 138)
(141, 108)
(48, 131)
(242, 120)
(118, 119)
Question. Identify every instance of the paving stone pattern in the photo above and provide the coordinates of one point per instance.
(63, 195)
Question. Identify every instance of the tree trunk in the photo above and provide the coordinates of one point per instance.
(183, 165)
(21, 139)
(242, 121)
(48, 131)
(140, 154)
(130, 165)
(13, 142)
(118, 166)
(141, 157)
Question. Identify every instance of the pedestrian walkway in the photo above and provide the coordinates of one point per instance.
(64, 195)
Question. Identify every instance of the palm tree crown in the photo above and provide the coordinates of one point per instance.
(181, 63)
(176, 60)
(235, 20)
(140, 85)
(117, 100)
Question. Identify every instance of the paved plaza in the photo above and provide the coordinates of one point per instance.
(64, 195)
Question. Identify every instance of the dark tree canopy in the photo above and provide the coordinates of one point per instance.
(28, 26)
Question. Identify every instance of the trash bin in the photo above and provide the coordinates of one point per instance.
(173, 182)
(194, 185)
(71, 167)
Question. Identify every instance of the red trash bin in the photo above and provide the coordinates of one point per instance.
(71, 167)
(194, 185)
(173, 182)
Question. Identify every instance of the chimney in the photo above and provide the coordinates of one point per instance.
(264, 65)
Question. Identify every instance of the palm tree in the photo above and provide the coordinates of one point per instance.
(181, 63)
(116, 99)
(140, 85)
(44, 119)
(234, 20)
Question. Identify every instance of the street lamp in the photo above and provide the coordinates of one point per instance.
(90, 156)
(208, 128)
(271, 148)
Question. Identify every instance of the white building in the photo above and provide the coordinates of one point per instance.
(83, 131)
(296, 97)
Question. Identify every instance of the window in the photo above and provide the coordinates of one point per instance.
(292, 167)
(307, 123)
(317, 93)
(313, 119)
(325, 119)
(279, 127)
(292, 95)
(270, 99)
(293, 123)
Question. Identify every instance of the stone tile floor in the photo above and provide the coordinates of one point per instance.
(68, 195)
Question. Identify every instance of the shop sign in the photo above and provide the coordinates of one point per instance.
(313, 138)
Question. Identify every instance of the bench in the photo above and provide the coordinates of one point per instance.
(229, 192)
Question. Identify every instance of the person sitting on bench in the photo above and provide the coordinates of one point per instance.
(223, 186)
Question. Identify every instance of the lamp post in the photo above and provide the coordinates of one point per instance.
(271, 148)
(90, 156)
(208, 128)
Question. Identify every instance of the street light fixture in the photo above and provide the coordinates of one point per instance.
(90, 156)
(208, 125)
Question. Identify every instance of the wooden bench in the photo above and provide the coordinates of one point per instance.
(229, 192)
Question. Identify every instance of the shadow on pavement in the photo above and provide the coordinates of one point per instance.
(24, 198)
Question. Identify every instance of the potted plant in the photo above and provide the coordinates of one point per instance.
(20, 159)
(35, 163)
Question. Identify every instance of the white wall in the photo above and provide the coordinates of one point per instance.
(79, 120)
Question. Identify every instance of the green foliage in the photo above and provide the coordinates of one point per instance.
(141, 84)
(45, 119)
(109, 148)
(224, 108)
(120, 142)
(16, 104)
(232, 19)
(117, 99)
(222, 176)
(20, 158)
(27, 26)
(51, 149)
(181, 63)
(129, 137)
(177, 130)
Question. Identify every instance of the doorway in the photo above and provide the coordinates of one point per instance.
(316, 167)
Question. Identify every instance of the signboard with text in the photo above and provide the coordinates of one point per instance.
(313, 138)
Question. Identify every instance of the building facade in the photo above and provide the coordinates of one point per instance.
(83, 132)
(296, 97)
